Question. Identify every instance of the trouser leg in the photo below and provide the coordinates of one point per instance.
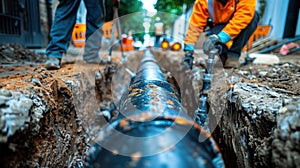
(241, 40)
(49, 16)
(62, 27)
(157, 38)
(94, 22)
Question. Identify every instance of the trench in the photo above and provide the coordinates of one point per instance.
(259, 126)
(39, 125)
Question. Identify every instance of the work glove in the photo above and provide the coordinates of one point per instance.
(214, 42)
(188, 56)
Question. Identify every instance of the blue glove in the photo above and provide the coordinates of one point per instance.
(214, 42)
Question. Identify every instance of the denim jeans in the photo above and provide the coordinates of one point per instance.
(241, 40)
(64, 22)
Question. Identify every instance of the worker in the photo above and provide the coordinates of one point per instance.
(61, 30)
(158, 31)
(222, 20)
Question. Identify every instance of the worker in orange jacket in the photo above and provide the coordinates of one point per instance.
(227, 20)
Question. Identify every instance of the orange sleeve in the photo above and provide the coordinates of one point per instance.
(197, 23)
(243, 15)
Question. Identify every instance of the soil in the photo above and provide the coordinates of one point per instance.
(49, 118)
(256, 128)
(15, 53)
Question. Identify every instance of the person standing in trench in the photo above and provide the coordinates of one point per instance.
(62, 27)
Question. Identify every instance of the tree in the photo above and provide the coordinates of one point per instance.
(131, 18)
(171, 9)
(172, 6)
(130, 6)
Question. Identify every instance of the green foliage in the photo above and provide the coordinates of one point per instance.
(130, 6)
(172, 6)
(133, 22)
(129, 19)
(172, 9)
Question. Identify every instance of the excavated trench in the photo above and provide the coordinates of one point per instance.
(39, 126)
(260, 125)
(49, 118)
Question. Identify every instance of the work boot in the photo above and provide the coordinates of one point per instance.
(53, 63)
(231, 62)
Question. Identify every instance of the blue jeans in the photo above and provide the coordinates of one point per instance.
(64, 22)
(241, 40)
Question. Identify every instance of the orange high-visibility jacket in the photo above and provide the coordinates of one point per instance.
(237, 14)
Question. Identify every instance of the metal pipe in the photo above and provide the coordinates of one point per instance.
(203, 108)
(149, 69)
(153, 129)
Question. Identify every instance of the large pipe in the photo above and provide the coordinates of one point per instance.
(153, 129)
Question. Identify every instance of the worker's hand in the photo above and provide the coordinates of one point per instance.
(188, 59)
(213, 42)
(116, 3)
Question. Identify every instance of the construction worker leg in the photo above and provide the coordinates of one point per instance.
(157, 39)
(94, 21)
(62, 27)
(240, 41)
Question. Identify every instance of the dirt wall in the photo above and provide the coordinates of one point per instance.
(39, 125)
(260, 126)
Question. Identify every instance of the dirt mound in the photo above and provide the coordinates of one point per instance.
(285, 77)
(15, 53)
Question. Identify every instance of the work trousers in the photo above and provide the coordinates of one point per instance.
(241, 40)
(64, 22)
